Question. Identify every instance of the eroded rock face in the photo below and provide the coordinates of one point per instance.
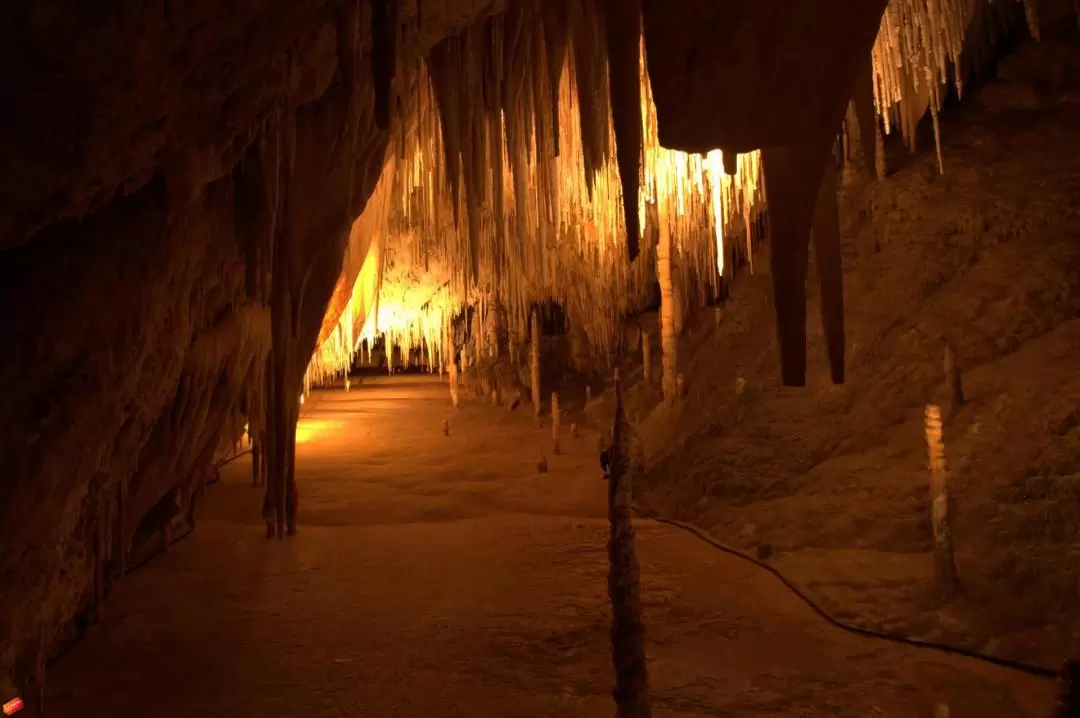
(137, 150)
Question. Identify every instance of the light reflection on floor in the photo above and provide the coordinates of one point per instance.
(308, 429)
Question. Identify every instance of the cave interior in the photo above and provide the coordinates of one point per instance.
(569, 321)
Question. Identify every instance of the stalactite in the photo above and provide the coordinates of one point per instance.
(509, 187)
(828, 259)
(623, 21)
(384, 31)
(668, 337)
(793, 175)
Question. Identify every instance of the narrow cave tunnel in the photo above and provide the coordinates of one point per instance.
(540, 358)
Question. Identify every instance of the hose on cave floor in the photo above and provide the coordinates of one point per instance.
(1018, 666)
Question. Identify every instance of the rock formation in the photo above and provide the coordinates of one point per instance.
(190, 187)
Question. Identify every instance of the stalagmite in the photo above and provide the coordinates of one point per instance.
(454, 396)
(668, 337)
(945, 575)
(534, 362)
(446, 427)
(555, 423)
(624, 584)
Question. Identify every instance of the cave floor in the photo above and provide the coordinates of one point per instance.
(444, 576)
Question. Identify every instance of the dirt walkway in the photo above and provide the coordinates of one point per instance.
(445, 577)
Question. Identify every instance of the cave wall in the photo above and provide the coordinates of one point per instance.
(150, 149)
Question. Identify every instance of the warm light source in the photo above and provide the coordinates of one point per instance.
(307, 429)
(13, 706)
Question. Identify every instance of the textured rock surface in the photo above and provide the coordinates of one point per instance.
(136, 153)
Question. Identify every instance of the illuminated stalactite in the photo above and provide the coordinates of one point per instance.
(506, 188)
(549, 225)
(921, 47)
(668, 336)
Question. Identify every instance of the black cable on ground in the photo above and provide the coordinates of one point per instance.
(1019, 666)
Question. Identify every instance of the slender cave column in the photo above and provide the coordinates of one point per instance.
(828, 259)
(668, 342)
(534, 362)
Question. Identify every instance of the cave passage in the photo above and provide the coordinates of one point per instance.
(444, 575)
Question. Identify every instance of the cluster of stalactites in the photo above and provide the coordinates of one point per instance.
(919, 50)
(510, 179)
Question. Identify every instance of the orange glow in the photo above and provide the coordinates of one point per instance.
(308, 429)
(13, 706)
